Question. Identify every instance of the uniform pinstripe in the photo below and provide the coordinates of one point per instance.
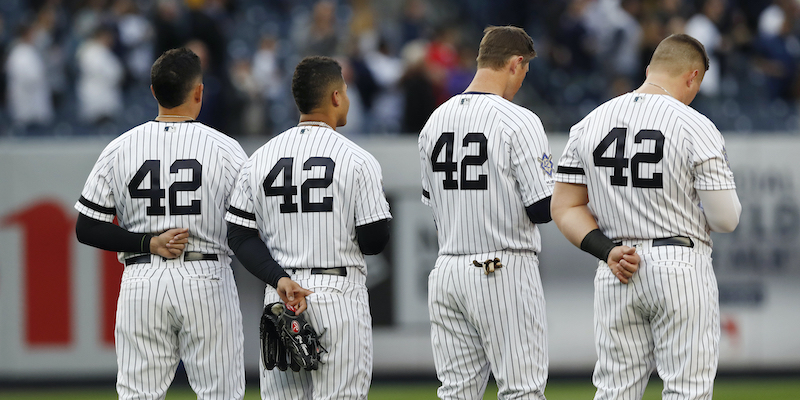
(157, 176)
(315, 228)
(667, 317)
(484, 159)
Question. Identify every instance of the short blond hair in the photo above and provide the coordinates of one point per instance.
(499, 43)
(679, 53)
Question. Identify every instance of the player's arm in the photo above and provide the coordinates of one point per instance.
(254, 255)
(722, 209)
(373, 237)
(570, 211)
(108, 236)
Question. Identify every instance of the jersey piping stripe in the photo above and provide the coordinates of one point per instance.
(97, 207)
(241, 213)
(570, 170)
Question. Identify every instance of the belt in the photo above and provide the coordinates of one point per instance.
(682, 241)
(187, 256)
(335, 271)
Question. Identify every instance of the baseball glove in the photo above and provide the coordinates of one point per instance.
(288, 340)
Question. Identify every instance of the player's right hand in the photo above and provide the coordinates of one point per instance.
(293, 294)
(623, 262)
(171, 243)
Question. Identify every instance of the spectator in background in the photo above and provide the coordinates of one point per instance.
(136, 37)
(268, 79)
(779, 45)
(574, 47)
(100, 77)
(704, 26)
(386, 70)
(249, 96)
(414, 24)
(319, 35)
(28, 93)
(418, 91)
(619, 37)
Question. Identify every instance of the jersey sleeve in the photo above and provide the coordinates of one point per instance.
(532, 162)
(242, 204)
(424, 163)
(712, 171)
(236, 158)
(570, 167)
(371, 204)
(97, 197)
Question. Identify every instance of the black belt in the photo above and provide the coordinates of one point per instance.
(187, 256)
(682, 241)
(335, 271)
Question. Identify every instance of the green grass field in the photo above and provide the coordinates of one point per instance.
(725, 389)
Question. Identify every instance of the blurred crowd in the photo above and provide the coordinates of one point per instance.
(81, 67)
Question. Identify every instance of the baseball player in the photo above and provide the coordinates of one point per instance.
(178, 300)
(642, 181)
(486, 174)
(306, 208)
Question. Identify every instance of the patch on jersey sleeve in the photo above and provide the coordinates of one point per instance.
(464, 101)
(546, 162)
(725, 156)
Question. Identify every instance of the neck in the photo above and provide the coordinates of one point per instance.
(180, 113)
(487, 80)
(327, 118)
(658, 84)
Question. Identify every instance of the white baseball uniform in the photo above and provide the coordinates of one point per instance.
(484, 159)
(306, 191)
(158, 176)
(643, 158)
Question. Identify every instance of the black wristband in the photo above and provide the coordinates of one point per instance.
(144, 247)
(597, 244)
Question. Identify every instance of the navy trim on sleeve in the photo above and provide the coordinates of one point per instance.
(241, 213)
(97, 207)
(426, 194)
(570, 170)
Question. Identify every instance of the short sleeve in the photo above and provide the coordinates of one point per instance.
(97, 197)
(532, 162)
(712, 171)
(424, 163)
(242, 205)
(570, 168)
(371, 204)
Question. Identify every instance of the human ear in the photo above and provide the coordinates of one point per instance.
(198, 93)
(335, 98)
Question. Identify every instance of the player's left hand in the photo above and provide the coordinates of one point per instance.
(171, 243)
(293, 294)
(623, 262)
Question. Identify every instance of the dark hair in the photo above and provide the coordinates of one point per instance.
(501, 42)
(174, 75)
(312, 81)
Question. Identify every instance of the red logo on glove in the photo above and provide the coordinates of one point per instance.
(291, 308)
(295, 327)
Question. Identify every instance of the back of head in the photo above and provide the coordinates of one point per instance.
(679, 53)
(315, 78)
(174, 75)
(499, 43)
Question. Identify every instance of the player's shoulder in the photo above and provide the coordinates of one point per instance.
(217, 137)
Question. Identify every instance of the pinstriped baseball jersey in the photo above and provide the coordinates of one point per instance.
(484, 159)
(157, 176)
(306, 190)
(644, 157)
(162, 175)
